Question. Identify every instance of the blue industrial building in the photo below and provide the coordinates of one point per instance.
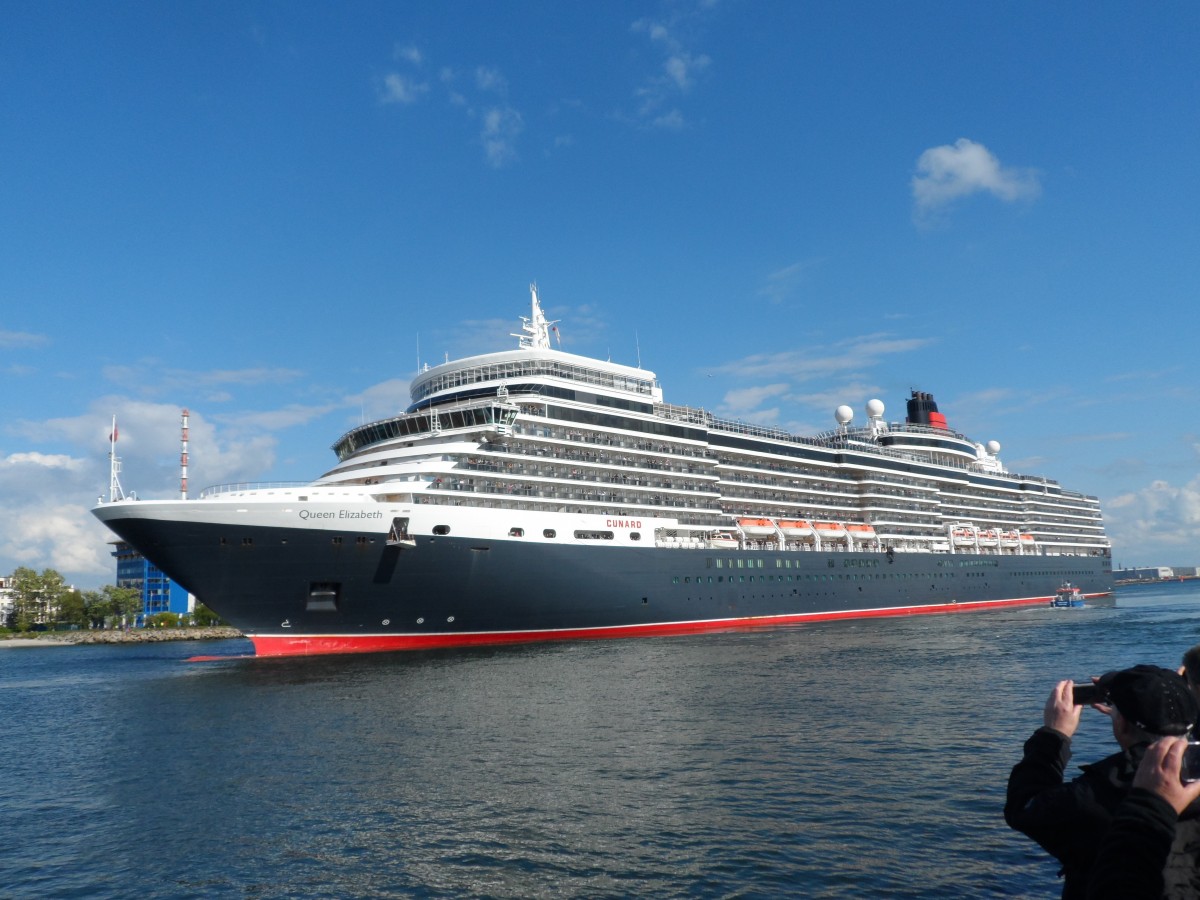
(159, 593)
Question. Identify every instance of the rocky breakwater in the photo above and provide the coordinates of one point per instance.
(132, 636)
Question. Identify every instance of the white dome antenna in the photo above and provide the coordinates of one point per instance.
(842, 415)
(875, 417)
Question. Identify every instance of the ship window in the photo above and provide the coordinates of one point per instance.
(247, 542)
(593, 535)
(516, 532)
(549, 533)
(441, 529)
(634, 536)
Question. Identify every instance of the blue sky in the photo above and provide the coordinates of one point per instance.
(269, 212)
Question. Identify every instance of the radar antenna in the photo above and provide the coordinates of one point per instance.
(536, 327)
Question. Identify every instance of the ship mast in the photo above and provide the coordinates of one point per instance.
(114, 466)
(536, 327)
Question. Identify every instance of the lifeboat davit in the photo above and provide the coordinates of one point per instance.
(722, 540)
(830, 531)
(963, 537)
(757, 527)
(795, 528)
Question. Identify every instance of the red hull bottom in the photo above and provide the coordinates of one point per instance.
(325, 644)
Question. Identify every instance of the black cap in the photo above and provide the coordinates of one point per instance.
(1157, 700)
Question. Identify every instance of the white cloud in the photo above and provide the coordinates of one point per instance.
(676, 77)
(150, 378)
(951, 172)
(744, 403)
(276, 419)
(387, 398)
(1161, 516)
(851, 355)
(780, 284)
(59, 536)
(489, 79)
(401, 89)
(409, 53)
(42, 460)
(501, 126)
(672, 121)
(11, 340)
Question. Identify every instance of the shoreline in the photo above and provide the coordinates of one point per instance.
(132, 636)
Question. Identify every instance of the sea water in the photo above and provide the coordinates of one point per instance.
(845, 759)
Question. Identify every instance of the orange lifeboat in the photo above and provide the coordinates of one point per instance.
(1009, 539)
(988, 538)
(795, 528)
(830, 531)
(963, 537)
(757, 527)
(860, 533)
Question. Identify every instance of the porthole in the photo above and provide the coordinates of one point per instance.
(635, 536)
(441, 529)
(549, 533)
(421, 620)
(516, 532)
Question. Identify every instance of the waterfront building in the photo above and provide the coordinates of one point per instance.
(7, 599)
(1144, 573)
(159, 593)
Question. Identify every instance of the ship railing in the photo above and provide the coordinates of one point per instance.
(217, 490)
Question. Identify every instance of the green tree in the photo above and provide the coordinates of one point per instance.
(37, 597)
(71, 610)
(205, 617)
(97, 607)
(126, 602)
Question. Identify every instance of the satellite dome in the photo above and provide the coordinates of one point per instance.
(993, 447)
(874, 408)
(843, 414)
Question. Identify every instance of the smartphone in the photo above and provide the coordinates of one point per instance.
(1087, 693)
(1189, 770)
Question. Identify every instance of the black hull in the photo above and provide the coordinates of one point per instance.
(295, 590)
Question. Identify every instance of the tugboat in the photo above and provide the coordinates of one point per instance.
(1067, 596)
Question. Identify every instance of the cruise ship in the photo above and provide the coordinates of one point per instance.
(533, 494)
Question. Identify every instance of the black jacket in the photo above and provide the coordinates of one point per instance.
(1147, 853)
(1068, 819)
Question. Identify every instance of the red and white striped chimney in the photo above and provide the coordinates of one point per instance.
(183, 458)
